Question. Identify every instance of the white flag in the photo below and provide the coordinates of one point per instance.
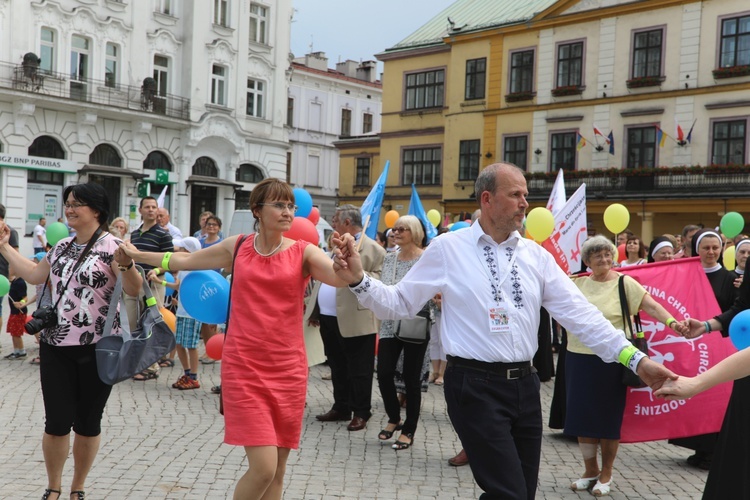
(557, 196)
(570, 232)
(160, 199)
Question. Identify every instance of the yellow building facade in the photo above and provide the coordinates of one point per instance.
(494, 81)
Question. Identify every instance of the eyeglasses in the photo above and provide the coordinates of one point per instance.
(281, 206)
(212, 224)
(400, 229)
(75, 206)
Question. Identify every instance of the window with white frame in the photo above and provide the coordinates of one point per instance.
(48, 49)
(111, 65)
(735, 42)
(161, 74)
(165, 7)
(79, 59)
(219, 85)
(255, 98)
(258, 23)
(221, 14)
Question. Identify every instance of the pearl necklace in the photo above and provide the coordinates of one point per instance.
(255, 246)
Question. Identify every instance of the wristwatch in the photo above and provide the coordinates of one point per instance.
(125, 268)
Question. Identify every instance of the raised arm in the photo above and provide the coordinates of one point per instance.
(25, 268)
(214, 257)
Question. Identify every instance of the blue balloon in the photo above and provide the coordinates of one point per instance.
(205, 296)
(460, 225)
(169, 279)
(304, 202)
(739, 330)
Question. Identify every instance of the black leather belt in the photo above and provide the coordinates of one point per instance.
(510, 371)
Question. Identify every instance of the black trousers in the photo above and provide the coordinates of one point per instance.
(499, 423)
(351, 361)
(388, 353)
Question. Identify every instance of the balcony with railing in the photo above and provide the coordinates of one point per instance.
(144, 98)
(648, 183)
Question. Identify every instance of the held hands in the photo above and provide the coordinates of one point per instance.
(346, 261)
(680, 327)
(694, 328)
(152, 276)
(654, 374)
(128, 249)
(682, 388)
(4, 235)
(122, 258)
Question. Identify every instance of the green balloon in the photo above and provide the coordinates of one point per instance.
(732, 224)
(4, 286)
(56, 231)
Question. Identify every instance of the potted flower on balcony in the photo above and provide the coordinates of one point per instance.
(567, 90)
(731, 72)
(643, 81)
(524, 95)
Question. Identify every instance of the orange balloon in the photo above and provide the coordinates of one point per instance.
(391, 217)
(169, 318)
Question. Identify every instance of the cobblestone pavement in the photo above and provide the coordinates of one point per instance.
(159, 442)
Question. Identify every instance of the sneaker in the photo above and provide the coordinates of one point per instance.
(207, 361)
(179, 382)
(16, 355)
(191, 384)
(216, 389)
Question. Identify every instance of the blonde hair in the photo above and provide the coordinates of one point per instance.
(415, 227)
(115, 230)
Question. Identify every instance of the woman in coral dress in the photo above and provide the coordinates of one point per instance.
(264, 366)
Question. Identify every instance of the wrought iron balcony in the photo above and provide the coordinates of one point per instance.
(649, 183)
(28, 78)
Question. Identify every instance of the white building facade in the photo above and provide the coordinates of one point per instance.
(323, 106)
(141, 94)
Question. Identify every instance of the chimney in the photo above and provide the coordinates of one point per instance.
(367, 71)
(347, 68)
(317, 60)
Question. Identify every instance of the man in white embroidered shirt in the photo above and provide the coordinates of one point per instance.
(494, 283)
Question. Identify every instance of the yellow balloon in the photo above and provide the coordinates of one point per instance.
(391, 217)
(616, 218)
(540, 223)
(434, 217)
(729, 259)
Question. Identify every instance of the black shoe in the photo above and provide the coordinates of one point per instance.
(402, 445)
(333, 416)
(216, 389)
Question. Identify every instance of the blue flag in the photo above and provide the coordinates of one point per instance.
(373, 203)
(417, 210)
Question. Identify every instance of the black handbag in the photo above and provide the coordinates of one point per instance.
(636, 338)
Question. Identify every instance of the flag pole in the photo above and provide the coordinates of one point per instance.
(364, 228)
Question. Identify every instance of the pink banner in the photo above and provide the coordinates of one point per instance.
(682, 288)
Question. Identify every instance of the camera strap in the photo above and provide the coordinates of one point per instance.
(86, 250)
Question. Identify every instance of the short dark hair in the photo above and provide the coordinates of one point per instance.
(92, 195)
(2, 211)
(148, 198)
(268, 189)
(213, 218)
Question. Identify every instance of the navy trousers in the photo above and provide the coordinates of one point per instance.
(499, 423)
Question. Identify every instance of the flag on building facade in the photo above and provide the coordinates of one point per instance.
(689, 137)
(557, 197)
(580, 141)
(598, 131)
(661, 137)
(417, 210)
(570, 232)
(373, 203)
(679, 134)
(682, 288)
(611, 141)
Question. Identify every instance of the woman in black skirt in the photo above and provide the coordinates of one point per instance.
(595, 392)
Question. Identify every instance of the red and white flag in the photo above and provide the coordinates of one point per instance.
(557, 196)
(679, 134)
(598, 131)
(682, 288)
(570, 232)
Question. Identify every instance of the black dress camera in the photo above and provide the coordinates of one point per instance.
(44, 317)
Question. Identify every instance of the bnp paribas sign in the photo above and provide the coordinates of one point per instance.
(38, 163)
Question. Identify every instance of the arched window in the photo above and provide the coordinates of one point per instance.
(46, 147)
(249, 173)
(206, 167)
(105, 155)
(157, 160)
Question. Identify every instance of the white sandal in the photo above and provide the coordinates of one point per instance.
(601, 489)
(584, 483)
